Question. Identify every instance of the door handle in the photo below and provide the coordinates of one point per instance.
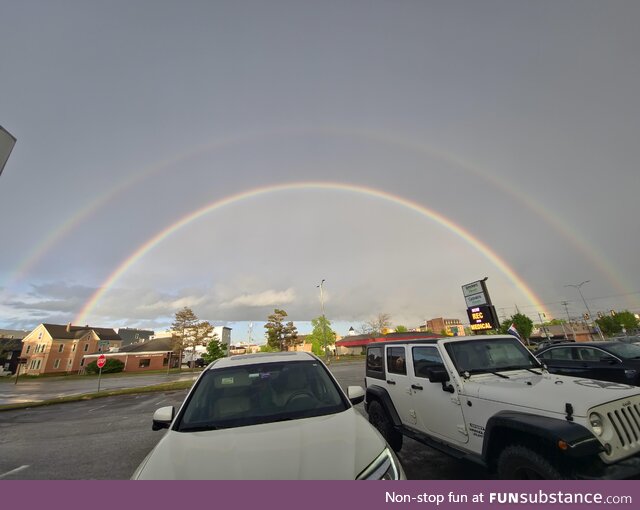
(390, 381)
(416, 387)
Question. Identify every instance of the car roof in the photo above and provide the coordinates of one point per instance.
(448, 339)
(576, 345)
(262, 357)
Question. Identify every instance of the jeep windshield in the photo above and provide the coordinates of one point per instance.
(487, 355)
(260, 393)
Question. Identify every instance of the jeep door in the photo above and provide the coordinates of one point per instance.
(439, 411)
(398, 384)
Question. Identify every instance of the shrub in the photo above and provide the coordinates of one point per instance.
(112, 366)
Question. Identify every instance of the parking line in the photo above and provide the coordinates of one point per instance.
(16, 470)
(96, 408)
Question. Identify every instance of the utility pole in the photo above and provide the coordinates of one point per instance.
(324, 330)
(546, 333)
(587, 306)
(566, 309)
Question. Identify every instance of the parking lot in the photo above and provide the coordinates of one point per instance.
(107, 438)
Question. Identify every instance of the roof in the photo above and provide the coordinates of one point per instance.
(263, 357)
(10, 344)
(59, 332)
(155, 345)
(450, 339)
(130, 335)
(13, 333)
(362, 340)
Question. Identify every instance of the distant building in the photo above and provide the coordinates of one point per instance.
(144, 356)
(59, 349)
(450, 327)
(10, 349)
(356, 344)
(134, 336)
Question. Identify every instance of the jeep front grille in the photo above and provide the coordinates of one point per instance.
(622, 433)
(626, 423)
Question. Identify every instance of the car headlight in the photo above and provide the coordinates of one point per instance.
(385, 467)
(596, 423)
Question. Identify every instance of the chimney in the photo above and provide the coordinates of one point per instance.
(68, 327)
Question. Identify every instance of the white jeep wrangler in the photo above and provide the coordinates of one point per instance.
(488, 399)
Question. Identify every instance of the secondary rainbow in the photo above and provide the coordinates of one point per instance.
(144, 248)
(29, 260)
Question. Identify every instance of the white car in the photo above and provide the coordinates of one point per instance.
(277, 416)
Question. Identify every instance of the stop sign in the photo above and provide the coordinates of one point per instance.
(102, 359)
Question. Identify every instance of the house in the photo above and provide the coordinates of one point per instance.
(156, 354)
(60, 349)
(10, 349)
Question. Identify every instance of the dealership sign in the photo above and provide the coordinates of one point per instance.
(482, 314)
(483, 318)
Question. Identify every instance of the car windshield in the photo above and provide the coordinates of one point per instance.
(490, 355)
(261, 393)
(624, 351)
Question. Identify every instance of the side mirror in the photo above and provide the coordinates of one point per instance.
(355, 394)
(436, 375)
(163, 417)
(440, 375)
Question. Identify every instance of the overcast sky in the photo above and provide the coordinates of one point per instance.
(449, 141)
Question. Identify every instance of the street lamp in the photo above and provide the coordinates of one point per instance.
(585, 304)
(324, 332)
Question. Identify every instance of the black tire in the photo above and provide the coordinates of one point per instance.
(521, 463)
(379, 418)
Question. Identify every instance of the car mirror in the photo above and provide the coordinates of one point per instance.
(356, 394)
(437, 375)
(163, 417)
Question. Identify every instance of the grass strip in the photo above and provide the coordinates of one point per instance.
(171, 386)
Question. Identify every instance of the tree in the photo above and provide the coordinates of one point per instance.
(377, 325)
(200, 334)
(321, 326)
(627, 320)
(215, 350)
(523, 324)
(182, 326)
(609, 325)
(279, 335)
(401, 329)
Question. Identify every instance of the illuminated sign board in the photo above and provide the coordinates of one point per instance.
(483, 318)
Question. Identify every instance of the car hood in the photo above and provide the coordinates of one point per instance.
(334, 447)
(547, 391)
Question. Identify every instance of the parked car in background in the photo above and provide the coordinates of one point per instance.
(605, 361)
(265, 417)
(547, 343)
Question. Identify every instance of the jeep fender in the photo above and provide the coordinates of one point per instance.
(578, 441)
(381, 395)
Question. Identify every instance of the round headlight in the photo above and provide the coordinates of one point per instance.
(596, 423)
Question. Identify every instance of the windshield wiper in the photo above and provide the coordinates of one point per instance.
(200, 428)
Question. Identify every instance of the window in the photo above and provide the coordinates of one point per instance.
(40, 335)
(165, 361)
(28, 349)
(69, 361)
(56, 364)
(144, 362)
(396, 360)
(61, 348)
(73, 349)
(9, 355)
(82, 362)
(374, 359)
(425, 358)
(559, 353)
(86, 347)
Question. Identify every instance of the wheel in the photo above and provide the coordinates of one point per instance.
(521, 463)
(379, 418)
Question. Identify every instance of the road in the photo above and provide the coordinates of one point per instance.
(107, 438)
(37, 390)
